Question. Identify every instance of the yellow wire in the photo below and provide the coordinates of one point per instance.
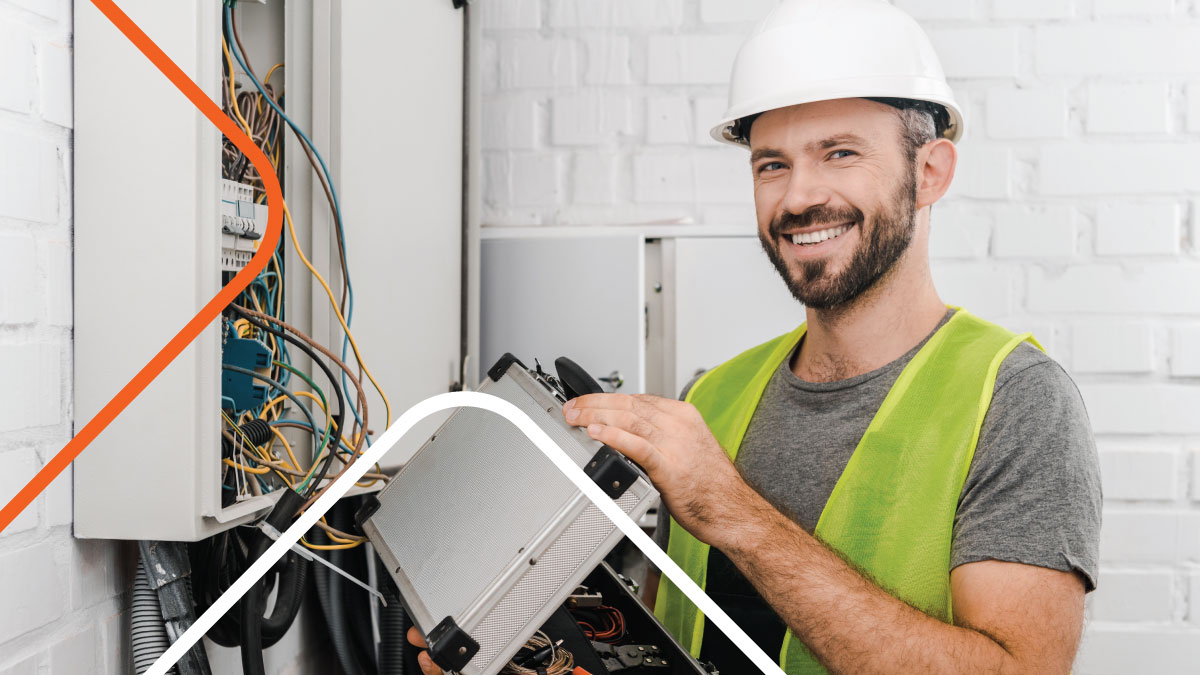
(257, 450)
(249, 443)
(310, 395)
(299, 252)
(333, 302)
(354, 345)
(286, 446)
(344, 440)
(237, 429)
(327, 547)
(267, 79)
(328, 420)
(270, 404)
(270, 450)
(260, 470)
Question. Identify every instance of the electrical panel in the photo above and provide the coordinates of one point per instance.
(159, 470)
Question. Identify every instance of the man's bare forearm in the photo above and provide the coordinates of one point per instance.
(850, 624)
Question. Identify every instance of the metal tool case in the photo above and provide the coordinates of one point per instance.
(484, 536)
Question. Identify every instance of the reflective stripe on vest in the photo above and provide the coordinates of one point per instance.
(892, 510)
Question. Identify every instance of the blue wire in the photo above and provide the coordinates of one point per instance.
(233, 48)
(271, 102)
(308, 426)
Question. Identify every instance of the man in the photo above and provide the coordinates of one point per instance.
(896, 486)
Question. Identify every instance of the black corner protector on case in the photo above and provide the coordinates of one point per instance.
(497, 371)
(364, 513)
(449, 646)
(612, 471)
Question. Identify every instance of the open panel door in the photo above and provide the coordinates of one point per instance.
(396, 98)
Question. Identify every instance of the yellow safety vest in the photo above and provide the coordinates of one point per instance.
(892, 510)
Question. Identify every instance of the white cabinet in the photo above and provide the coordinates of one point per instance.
(672, 300)
(728, 298)
(565, 296)
(361, 79)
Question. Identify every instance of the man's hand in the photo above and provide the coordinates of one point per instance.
(700, 486)
(423, 660)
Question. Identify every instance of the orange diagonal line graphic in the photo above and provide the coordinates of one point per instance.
(210, 310)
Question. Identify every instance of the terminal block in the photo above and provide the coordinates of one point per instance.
(243, 223)
(239, 390)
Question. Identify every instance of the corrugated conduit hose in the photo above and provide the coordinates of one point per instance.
(258, 632)
(393, 626)
(148, 633)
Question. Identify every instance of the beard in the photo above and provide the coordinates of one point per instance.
(880, 247)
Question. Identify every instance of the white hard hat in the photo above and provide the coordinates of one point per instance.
(820, 50)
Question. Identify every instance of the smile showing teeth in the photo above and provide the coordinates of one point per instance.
(819, 236)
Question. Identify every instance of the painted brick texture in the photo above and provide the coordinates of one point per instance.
(58, 591)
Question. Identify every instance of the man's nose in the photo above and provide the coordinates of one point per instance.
(806, 188)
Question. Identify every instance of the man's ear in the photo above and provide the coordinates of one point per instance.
(935, 170)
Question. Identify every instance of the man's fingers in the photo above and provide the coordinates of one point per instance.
(620, 401)
(427, 665)
(624, 419)
(632, 446)
(605, 401)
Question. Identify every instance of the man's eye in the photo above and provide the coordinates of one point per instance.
(841, 154)
(770, 166)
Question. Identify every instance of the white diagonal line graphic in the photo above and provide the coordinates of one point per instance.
(384, 443)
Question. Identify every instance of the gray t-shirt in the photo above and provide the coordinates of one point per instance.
(1032, 494)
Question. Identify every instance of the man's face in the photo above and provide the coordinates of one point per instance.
(835, 196)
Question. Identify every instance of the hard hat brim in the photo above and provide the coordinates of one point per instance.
(937, 92)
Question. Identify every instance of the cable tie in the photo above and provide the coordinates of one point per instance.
(274, 535)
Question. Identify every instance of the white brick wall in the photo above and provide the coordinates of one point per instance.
(58, 592)
(1128, 108)
(1075, 213)
(1112, 347)
(1129, 228)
